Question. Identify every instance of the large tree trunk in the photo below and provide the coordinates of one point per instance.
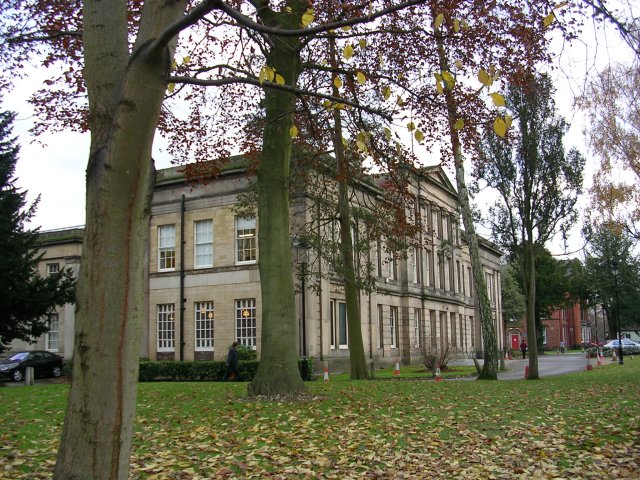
(529, 274)
(487, 323)
(125, 96)
(278, 371)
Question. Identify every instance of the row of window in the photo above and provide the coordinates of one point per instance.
(453, 327)
(204, 323)
(245, 243)
(435, 266)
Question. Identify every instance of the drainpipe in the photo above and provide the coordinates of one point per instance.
(182, 299)
(304, 308)
(423, 316)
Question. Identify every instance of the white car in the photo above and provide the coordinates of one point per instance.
(627, 344)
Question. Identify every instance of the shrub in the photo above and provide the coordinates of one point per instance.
(436, 353)
(305, 365)
(246, 353)
(207, 371)
(592, 352)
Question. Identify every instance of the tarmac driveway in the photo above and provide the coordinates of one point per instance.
(548, 365)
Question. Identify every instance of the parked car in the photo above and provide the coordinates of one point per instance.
(627, 345)
(45, 364)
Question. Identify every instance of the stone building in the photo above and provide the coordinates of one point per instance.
(61, 249)
(204, 285)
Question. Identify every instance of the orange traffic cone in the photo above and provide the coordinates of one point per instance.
(397, 370)
(326, 374)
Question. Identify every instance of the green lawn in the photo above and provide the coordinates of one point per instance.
(585, 425)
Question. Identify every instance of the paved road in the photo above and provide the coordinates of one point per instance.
(548, 365)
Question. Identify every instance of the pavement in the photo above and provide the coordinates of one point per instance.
(549, 365)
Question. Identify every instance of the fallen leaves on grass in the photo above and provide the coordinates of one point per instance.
(554, 429)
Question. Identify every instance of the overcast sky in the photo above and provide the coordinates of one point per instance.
(56, 170)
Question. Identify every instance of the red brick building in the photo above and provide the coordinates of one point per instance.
(568, 326)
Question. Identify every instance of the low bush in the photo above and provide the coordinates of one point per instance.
(306, 369)
(246, 353)
(592, 352)
(168, 370)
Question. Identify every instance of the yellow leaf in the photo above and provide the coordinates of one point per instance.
(288, 9)
(459, 125)
(363, 43)
(500, 127)
(361, 146)
(279, 79)
(337, 82)
(266, 73)
(400, 101)
(411, 126)
(498, 100)
(326, 104)
(307, 17)
(458, 64)
(386, 93)
(360, 77)
(387, 133)
(346, 29)
(171, 87)
(507, 120)
(419, 136)
(293, 131)
(439, 88)
(186, 60)
(449, 79)
(456, 25)
(438, 22)
(465, 24)
(548, 20)
(484, 77)
(438, 76)
(347, 52)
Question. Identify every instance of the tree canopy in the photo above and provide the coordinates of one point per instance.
(613, 269)
(538, 184)
(28, 298)
(613, 109)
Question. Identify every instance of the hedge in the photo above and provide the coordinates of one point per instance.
(166, 370)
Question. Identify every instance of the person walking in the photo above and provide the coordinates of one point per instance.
(232, 363)
(523, 349)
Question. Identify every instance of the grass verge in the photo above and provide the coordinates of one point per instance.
(583, 425)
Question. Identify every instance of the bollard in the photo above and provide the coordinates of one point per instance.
(28, 376)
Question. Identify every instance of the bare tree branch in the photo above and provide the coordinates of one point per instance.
(296, 91)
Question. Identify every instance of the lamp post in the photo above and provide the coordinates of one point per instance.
(301, 251)
(615, 286)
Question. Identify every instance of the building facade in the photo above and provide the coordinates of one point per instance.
(61, 250)
(203, 283)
